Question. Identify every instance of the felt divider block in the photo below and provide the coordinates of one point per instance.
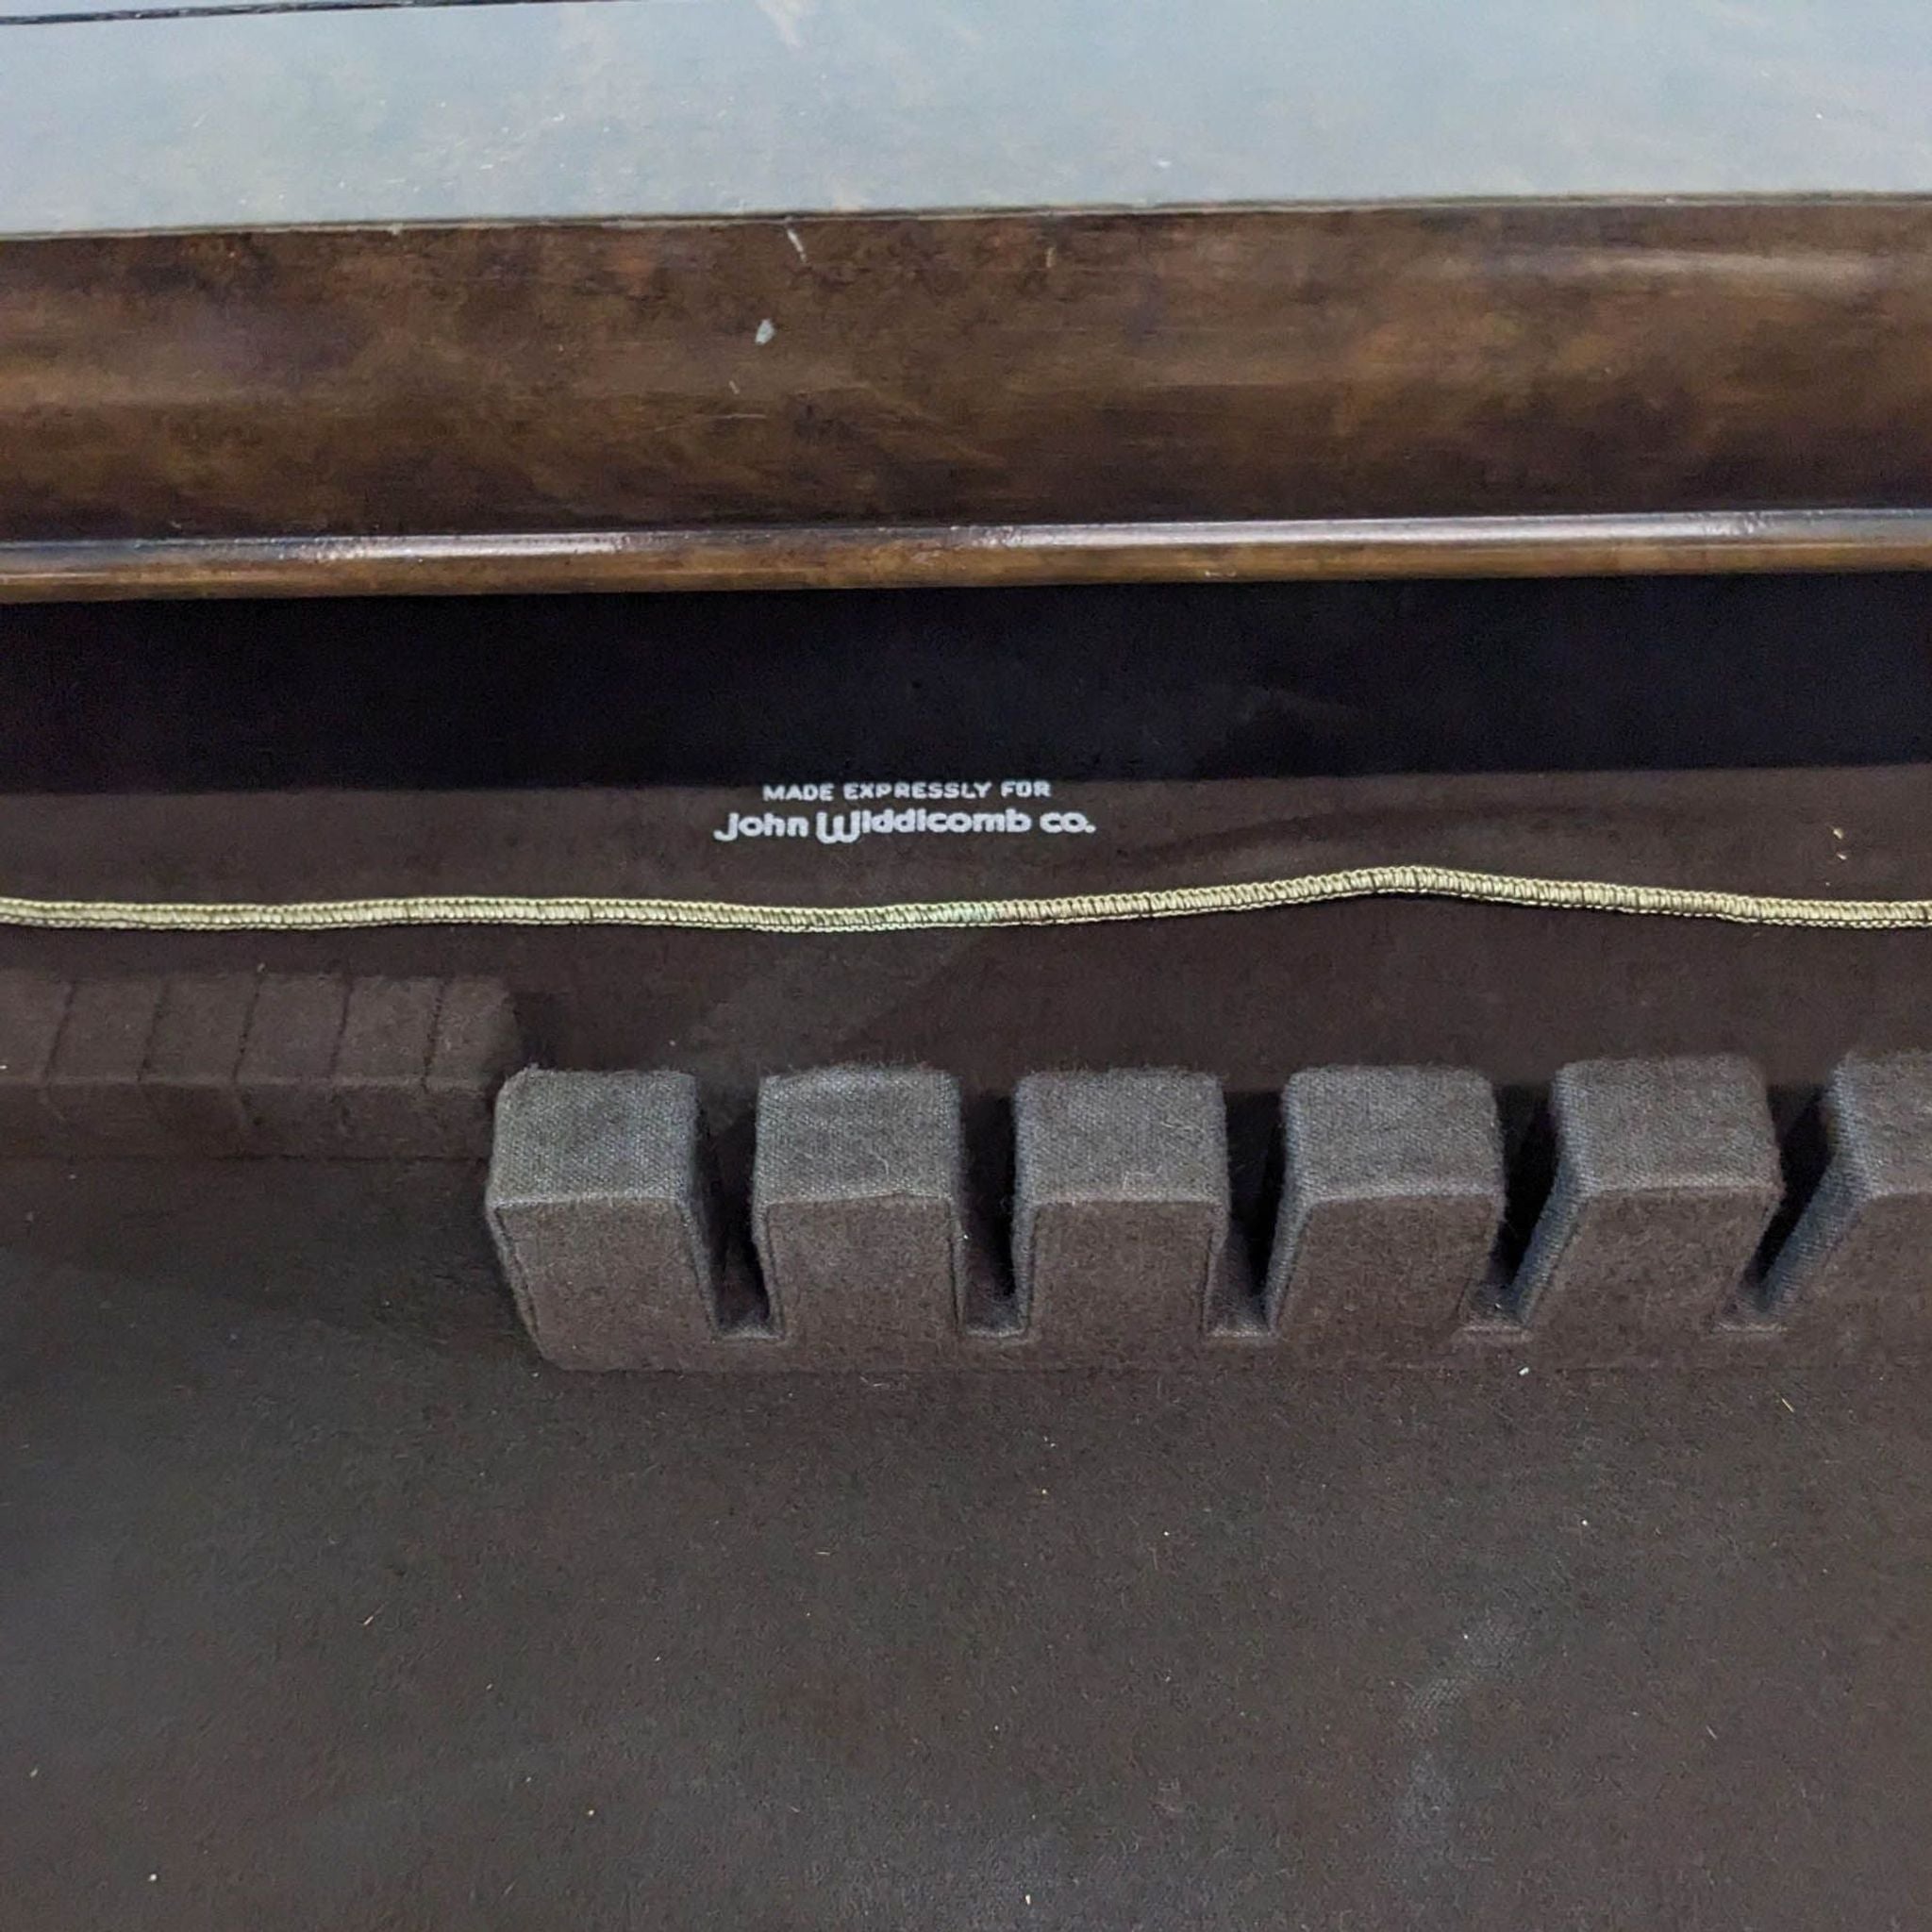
(285, 1062)
(381, 1065)
(32, 1007)
(417, 1067)
(1855, 1271)
(1122, 1234)
(477, 1046)
(599, 1208)
(224, 1064)
(1667, 1177)
(187, 1082)
(859, 1215)
(93, 1079)
(1391, 1195)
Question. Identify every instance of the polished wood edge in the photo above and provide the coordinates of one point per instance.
(966, 375)
(809, 557)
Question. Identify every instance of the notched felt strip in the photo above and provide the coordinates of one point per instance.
(598, 1204)
(859, 1215)
(188, 1082)
(477, 1044)
(219, 1065)
(1855, 1273)
(33, 1007)
(93, 1081)
(283, 1077)
(1122, 1232)
(381, 1065)
(1392, 1190)
(1667, 1177)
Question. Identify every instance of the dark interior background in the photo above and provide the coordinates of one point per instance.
(1169, 682)
(327, 1605)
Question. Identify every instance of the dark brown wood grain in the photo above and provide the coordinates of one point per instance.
(1308, 370)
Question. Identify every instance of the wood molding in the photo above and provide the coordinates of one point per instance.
(974, 398)
(826, 557)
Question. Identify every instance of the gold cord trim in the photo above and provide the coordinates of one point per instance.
(1076, 908)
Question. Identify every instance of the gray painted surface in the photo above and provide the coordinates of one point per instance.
(73, 12)
(684, 106)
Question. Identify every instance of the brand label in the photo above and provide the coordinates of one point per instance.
(871, 808)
